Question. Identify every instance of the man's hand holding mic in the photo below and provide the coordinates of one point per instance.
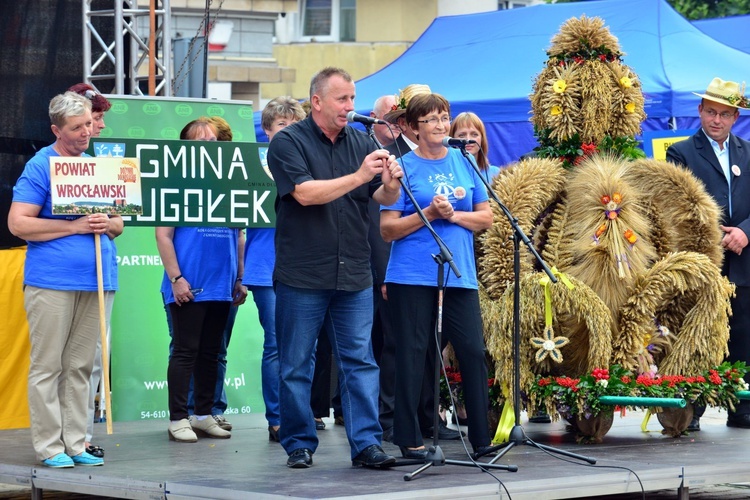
(381, 162)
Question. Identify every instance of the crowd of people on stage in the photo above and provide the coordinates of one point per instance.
(350, 275)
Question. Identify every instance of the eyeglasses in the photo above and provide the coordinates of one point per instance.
(726, 115)
(434, 120)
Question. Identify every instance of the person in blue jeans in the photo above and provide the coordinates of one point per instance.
(259, 261)
(325, 174)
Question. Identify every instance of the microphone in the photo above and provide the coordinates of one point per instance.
(450, 142)
(352, 117)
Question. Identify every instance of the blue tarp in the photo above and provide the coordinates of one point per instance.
(487, 63)
(732, 31)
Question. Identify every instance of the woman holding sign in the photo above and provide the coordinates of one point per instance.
(60, 291)
(202, 278)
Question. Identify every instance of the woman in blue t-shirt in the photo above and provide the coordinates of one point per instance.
(60, 291)
(202, 277)
(454, 200)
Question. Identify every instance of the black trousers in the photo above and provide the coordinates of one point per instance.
(739, 336)
(198, 330)
(384, 349)
(413, 316)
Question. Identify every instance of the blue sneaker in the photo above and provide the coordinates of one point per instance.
(59, 461)
(87, 459)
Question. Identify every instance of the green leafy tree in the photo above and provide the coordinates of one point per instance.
(700, 9)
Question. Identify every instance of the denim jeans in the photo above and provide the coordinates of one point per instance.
(347, 318)
(220, 394)
(265, 301)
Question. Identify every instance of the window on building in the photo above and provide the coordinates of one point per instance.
(316, 20)
(504, 4)
(348, 21)
(328, 20)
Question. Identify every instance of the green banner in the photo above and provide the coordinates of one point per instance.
(140, 339)
(198, 183)
(147, 117)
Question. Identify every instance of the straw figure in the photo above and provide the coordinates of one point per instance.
(635, 241)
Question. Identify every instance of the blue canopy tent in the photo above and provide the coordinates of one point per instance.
(730, 31)
(486, 63)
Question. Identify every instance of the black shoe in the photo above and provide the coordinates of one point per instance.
(388, 435)
(444, 433)
(373, 456)
(741, 421)
(273, 434)
(300, 459)
(694, 425)
(338, 420)
(540, 418)
(319, 424)
(419, 454)
(96, 451)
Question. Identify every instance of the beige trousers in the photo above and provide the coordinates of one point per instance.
(63, 330)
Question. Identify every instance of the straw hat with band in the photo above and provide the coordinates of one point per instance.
(727, 93)
(402, 100)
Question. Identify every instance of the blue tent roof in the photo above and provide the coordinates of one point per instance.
(487, 63)
(732, 31)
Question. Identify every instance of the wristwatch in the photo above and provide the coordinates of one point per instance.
(174, 280)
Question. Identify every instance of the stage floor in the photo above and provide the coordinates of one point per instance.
(142, 463)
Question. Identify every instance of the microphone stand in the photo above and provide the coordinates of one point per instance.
(517, 435)
(435, 456)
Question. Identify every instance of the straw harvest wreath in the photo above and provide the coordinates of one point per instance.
(636, 240)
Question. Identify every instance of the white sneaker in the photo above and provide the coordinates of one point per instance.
(208, 428)
(181, 432)
(222, 422)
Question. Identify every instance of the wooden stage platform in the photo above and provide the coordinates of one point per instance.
(141, 463)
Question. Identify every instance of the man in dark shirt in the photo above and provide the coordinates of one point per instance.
(325, 173)
(721, 160)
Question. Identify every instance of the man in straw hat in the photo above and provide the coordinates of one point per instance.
(722, 161)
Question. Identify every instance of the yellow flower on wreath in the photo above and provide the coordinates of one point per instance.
(626, 82)
(555, 111)
(630, 107)
(559, 86)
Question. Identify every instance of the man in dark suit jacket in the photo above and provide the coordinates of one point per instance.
(722, 161)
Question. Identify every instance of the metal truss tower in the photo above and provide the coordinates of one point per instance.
(117, 60)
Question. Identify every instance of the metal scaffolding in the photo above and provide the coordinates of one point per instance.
(125, 58)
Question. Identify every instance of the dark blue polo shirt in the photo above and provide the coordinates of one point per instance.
(321, 247)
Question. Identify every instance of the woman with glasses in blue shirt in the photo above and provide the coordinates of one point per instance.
(455, 202)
